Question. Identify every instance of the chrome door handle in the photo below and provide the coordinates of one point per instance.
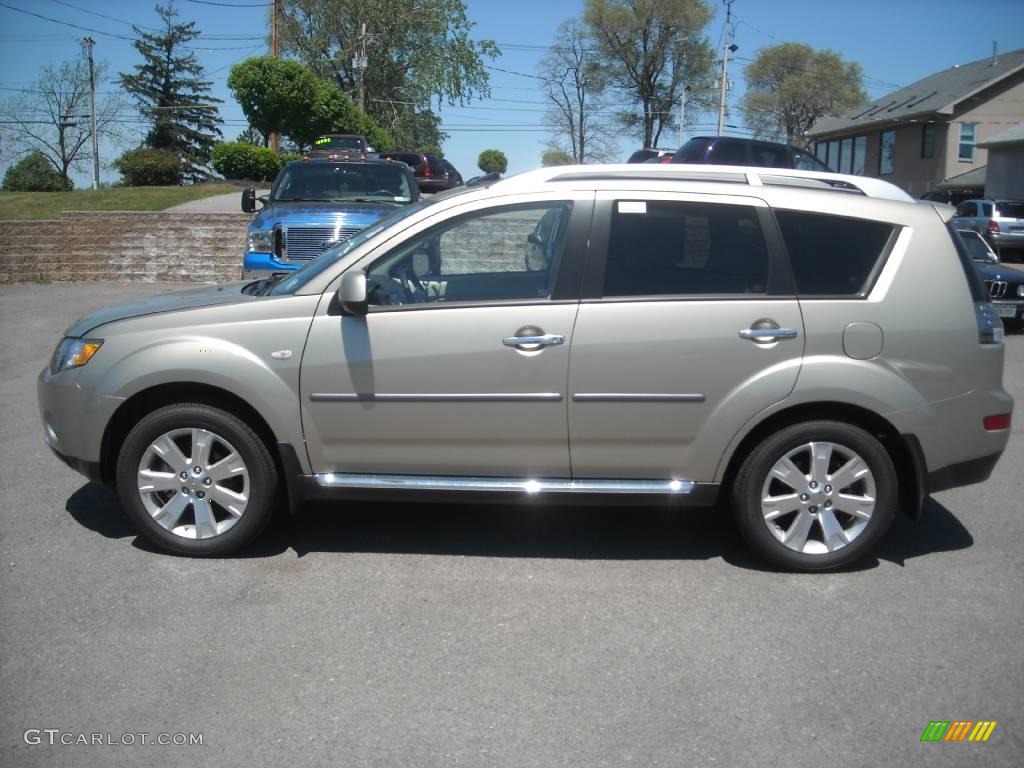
(547, 340)
(760, 334)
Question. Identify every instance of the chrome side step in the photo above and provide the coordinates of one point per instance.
(503, 484)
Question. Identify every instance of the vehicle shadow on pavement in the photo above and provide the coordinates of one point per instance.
(527, 530)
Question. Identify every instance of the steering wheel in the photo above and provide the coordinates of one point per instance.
(411, 283)
(384, 192)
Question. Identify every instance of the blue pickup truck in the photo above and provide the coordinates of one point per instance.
(317, 202)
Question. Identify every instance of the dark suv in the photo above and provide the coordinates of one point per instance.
(430, 171)
(727, 150)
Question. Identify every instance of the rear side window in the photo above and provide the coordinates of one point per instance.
(772, 157)
(727, 152)
(832, 255)
(660, 248)
(1008, 210)
(691, 152)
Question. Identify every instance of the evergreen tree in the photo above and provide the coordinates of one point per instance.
(171, 92)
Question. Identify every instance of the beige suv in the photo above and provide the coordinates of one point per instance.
(691, 333)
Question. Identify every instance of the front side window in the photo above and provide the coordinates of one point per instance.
(965, 153)
(832, 255)
(886, 152)
(494, 255)
(659, 248)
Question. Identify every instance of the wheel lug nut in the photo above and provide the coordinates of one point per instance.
(184, 475)
(828, 505)
(828, 489)
(184, 490)
(198, 470)
(200, 494)
(804, 497)
(812, 510)
(813, 484)
(207, 481)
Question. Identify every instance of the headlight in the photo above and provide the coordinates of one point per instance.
(1020, 290)
(261, 240)
(71, 353)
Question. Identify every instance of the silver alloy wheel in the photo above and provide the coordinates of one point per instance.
(818, 498)
(197, 496)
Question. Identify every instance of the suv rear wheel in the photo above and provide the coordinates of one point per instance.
(815, 496)
(196, 480)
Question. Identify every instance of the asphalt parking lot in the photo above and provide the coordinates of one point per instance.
(415, 635)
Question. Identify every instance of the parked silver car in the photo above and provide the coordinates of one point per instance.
(1000, 222)
(689, 333)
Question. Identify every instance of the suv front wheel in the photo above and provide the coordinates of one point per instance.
(815, 496)
(196, 480)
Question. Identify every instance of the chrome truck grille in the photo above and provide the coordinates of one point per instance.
(305, 243)
(996, 288)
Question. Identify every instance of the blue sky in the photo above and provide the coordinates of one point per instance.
(895, 41)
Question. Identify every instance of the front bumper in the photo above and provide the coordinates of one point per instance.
(257, 264)
(74, 420)
(1009, 310)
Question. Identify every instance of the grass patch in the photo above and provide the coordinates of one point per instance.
(49, 205)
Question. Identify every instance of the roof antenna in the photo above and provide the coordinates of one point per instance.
(995, 53)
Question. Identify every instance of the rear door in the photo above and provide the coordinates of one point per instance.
(688, 328)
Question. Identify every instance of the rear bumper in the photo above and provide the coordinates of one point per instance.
(963, 473)
(1009, 239)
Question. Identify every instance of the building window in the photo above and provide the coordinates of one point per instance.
(860, 145)
(845, 155)
(821, 150)
(886, 152)
(966, 152)
(833, 155)
(928, 141)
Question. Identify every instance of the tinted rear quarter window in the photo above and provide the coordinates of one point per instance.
(727, 152)
(832, 255)
(1009, 210)
(660, 248)
(771, 157)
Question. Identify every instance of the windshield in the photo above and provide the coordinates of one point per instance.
(977, 247)
(340, 142)
(327, 182)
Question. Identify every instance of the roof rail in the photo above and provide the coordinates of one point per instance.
(747, 175)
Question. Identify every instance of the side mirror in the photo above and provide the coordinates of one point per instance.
(249, 200)
(352, 293)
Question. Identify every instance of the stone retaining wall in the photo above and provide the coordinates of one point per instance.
(113, 245)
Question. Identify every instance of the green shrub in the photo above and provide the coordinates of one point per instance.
(149, 167)
(555, 157)
(238, 160)
(492, 161)
(34, 174)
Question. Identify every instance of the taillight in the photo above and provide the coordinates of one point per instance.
(993, 226)
(665, 159)
(426, 169)
(997, 422)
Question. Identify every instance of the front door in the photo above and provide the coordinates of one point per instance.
(460, 366)
(688, 328)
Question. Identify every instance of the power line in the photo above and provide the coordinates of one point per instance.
(231, 5)
(64, 23)
(103, 16)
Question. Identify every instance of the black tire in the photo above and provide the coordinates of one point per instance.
(754, 474)
(262, 475)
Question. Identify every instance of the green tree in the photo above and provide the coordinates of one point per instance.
(34, 173)
(417, 51)
(52, 117)
(492, 161)
(173, 95)
(271, 92)
(790, 86)
(575, 85)
(556, 157)
(331, 111)
(654, 53)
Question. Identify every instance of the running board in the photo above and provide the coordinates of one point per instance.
(503, 484)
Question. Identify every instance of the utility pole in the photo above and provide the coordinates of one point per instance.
(275, 51)
(730, 47)
(89, 43)
(359, 62)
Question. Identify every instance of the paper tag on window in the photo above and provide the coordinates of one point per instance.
(630, 206)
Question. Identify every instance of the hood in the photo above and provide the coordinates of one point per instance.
(168, 302)
(327, 214)
(1000, 272)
